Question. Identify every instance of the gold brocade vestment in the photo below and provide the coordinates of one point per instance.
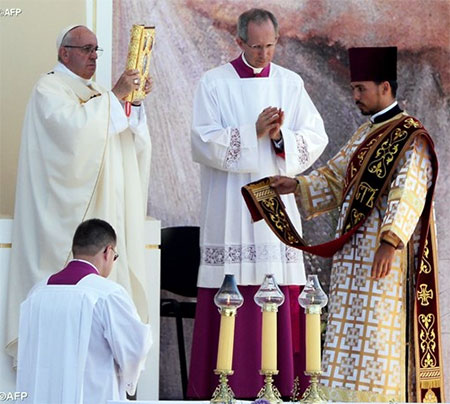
(365, 355)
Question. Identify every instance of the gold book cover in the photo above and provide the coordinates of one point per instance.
(139, 52)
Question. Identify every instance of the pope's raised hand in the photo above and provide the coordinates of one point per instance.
(147, 89)
(148, 85)
(128, 82)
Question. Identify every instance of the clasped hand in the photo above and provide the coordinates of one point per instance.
(269, 123)
(129, 81)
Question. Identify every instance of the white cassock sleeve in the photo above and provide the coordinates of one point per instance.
(233, 149)
(304, 135)
(128, 337)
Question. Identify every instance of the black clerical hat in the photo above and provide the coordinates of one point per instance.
(373, 64)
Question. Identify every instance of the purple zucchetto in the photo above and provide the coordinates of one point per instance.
(373, 64)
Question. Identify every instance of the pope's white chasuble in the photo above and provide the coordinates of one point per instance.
(77, 161)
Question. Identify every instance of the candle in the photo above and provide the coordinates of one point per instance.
(226, 339)
(313, 359)
(228, 299)
(269, 337)
(312, 299)
(269, 297)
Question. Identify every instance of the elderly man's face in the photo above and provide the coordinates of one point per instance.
(79, 60)
(260, 45)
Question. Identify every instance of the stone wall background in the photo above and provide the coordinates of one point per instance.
(193, 36)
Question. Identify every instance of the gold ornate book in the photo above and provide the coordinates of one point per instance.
(139, 52)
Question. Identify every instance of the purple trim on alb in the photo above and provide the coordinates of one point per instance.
(246, 72)
(72, 274)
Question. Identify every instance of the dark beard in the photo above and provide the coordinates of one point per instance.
(365, 112)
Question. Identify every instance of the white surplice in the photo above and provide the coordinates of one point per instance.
(225, 144)
(80, 158)
(87, 339)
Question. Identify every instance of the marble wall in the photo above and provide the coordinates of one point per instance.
(193, 36)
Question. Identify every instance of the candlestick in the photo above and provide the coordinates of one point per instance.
(312, 299)
(269, 392)
(228, 299)
(223, 392)
(269, 297)
(313, 394)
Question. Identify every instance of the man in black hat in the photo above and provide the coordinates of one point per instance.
(382, 180)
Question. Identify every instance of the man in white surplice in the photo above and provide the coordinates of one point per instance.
(80, 338)
(252, 119)
(80, 157)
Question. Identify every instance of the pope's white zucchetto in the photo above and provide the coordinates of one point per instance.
(63, 33)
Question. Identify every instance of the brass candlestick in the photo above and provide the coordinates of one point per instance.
(228, 299)
(313, 299)
(269, 392)
(223, 392)
(313, 394)
(269, 297)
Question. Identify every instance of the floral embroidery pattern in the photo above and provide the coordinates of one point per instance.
(248, 253)
(302, 147)
(233, 153)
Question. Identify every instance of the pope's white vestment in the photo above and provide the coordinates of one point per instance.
(80, 343)
(224, 142)
(80, 158)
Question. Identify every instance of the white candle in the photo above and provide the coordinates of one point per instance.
(226, 340)
(313, 355)
(269, 337)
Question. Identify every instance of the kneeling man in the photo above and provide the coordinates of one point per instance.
(80, 337)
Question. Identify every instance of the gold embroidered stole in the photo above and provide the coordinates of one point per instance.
(369, 173)
(380, 152)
